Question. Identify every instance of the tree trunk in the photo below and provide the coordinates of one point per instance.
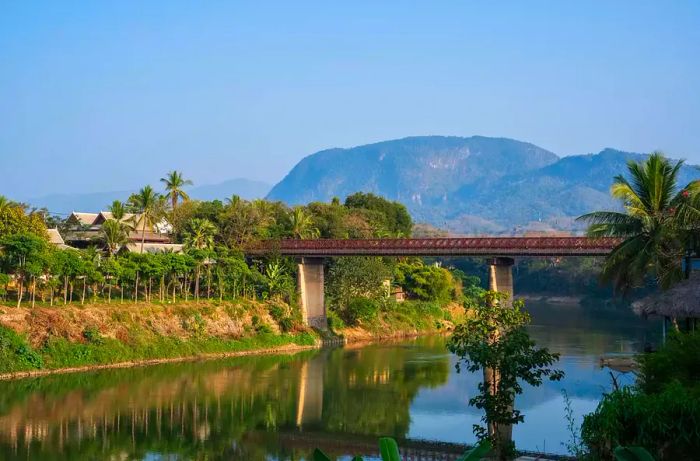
(143, 231)
(109, 293)
(82, 298)
(70, 299)
(33, 290)
(136, 291)
(65, 290)
(208, 282)
(196, 285)
(19, 293)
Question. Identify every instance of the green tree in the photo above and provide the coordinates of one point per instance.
(302, 224)
(148, 205)
(200, 234)
(653, 238)
(495, 341)
(23, 255)
(394, 216)
(15, 220)
(356, 277)
(174, 182)
(114, 235)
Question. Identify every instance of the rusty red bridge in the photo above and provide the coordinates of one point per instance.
(460, 246)
(499, 250)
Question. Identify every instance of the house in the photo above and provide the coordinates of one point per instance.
(84, 229)
(679, 305)
(56, 239)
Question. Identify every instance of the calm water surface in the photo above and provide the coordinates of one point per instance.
(280, 407)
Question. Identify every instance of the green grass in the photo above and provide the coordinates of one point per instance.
(17, 355)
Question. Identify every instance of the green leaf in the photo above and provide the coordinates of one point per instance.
(357, 458)
(476, 453)
(632, 454)
(320, 456)
(389, 449)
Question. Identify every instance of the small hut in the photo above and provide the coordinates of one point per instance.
(679, 305)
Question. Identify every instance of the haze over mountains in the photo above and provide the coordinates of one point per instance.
(66, 203)
(466, 185)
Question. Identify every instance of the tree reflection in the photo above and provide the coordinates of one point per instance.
(232, 409)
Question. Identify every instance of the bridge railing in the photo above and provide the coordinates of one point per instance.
(494, 246)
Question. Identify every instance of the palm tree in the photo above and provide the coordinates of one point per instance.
(200, 234)
(148, 205)
(654, 236)
(4, 203)
(174, 182)
(114, 234)
(303, 224)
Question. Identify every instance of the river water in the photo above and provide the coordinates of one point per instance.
(281, 407)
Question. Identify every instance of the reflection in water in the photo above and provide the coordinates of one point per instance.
(282, 406)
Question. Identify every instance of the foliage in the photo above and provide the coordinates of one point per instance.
(393, 217)
(15, 353)
(427, 283)
(15, 220)
(389, 451)
(632, 454)
(354, 277)
(664, 423)
(494, 340)
(360, 310)
(677, 361)
(656, 225)
(174, 182)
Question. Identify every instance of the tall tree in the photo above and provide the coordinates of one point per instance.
(114, 234)
(148, 205)
(174, 182)
(200, 234)
(302, 224)
(653, 225)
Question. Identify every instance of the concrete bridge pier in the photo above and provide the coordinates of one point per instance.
(311, 288)
(501, 275)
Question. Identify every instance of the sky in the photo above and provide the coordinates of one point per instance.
(101, 96)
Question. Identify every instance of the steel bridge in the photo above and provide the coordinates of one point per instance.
(461, 246)
(500, 252)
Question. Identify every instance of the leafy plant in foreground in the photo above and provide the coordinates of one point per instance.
(389, 451)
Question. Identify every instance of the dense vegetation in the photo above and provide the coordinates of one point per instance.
(211, 271)
(659, 228)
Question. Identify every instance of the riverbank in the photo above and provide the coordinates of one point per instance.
(49, 340)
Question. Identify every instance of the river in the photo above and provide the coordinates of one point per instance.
(280, 407)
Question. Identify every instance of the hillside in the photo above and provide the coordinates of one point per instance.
(467, 185)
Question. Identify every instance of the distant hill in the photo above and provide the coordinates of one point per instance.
(66, 203)
(466, 185)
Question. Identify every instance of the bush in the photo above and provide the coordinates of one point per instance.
(335, 323)
(16, 354)
(92, 335)
(678, 360)
(666, 424)
(361, 310)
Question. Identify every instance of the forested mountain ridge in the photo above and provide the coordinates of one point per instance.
(467, 185)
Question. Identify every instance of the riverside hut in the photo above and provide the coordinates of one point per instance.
(679, 305)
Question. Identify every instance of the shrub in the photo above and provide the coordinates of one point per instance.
(678, 360)
(92, 335)
(361, 310)
(335, 323)
(16, 354)
(666, 424)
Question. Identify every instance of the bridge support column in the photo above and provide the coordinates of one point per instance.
(501, 275)
(311, 287)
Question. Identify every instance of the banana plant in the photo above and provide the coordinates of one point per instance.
(632, 454)
(389, 451)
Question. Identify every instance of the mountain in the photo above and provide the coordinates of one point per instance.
(66, 203)
(466, 185)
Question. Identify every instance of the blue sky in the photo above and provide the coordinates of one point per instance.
(98, 96)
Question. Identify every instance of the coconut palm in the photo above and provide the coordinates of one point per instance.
(302, 224)
(114, 234)
(654, 236)
(148, 204)
(174, 182)
(4, 203)
(200, 234)
(118, 210)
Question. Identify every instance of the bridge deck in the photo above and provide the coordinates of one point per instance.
(462, 246)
